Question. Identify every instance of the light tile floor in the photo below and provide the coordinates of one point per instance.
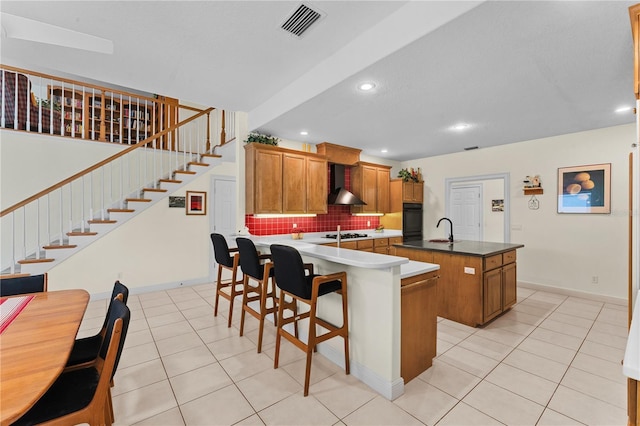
(550, 360)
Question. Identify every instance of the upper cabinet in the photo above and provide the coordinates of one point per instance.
(412, 192)
(280, 180)
(370, 183)
(403, 192)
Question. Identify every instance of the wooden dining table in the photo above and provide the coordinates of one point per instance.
(35, 347)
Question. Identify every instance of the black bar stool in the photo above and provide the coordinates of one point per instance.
(253, 270)
(292, 281)
(222, 253)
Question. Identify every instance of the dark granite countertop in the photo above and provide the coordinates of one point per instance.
(468, 248)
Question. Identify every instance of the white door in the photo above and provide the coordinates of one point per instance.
(223, 205)
(465, 212)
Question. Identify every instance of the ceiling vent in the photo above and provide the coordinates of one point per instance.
(300, 20)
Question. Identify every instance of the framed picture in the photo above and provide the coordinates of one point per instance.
(177, 201)
(584, 189)
(197, 202)
(497, 205)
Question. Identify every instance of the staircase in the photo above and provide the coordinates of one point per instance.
(58, 222)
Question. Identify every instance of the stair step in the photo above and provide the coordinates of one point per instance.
(194, 163)
(120, 210)
(211, 155)
(185, 172)
(102, 221)
(64, 246)
(138, 200)
(154, 190)
(81, 234)
(29, 261)
(170, 181)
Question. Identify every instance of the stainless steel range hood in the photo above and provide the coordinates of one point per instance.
(339, 195)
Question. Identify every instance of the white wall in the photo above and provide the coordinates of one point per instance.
(30, 162)
(561, 250)
(161, 247)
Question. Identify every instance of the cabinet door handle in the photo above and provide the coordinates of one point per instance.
(419, 283)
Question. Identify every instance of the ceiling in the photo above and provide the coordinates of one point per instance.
(512, 70)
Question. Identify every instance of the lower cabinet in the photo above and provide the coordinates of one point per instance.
(418, 328)
(472, 290)
(374, 245)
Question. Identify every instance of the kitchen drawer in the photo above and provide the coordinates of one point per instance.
(492, 262)
(380, 242)
(395, 240)
(365, 244)
(351, 245)
(381, 250)
(509, 257)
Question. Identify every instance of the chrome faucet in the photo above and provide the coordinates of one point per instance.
(450, 227)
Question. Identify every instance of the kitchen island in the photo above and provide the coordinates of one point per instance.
(477, 278)
(375, 317)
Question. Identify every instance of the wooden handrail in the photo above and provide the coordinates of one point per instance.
(102, 163)
(92, 86)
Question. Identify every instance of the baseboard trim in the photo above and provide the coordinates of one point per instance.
(574, 293)
(390, 390)
(155, 287)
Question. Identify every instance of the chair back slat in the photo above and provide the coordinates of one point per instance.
(289, 270)
(118, 311)
(221, 250)
(249, 260)
(23, 285)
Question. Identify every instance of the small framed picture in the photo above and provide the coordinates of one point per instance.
(585, 189)
(497, 205)
(196, 203)
(177, 201)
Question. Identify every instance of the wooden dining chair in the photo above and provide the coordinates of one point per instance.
(85, 350)
(23, 284)
(293, 282)
(84, 395)
(232, 288)
(255, 271)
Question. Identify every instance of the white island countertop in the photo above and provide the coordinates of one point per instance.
(311, 245)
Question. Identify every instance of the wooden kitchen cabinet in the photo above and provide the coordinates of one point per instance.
(280, 180)
(418, 324)
(370, 183)
(412, 192)
(263, 181)
(472, 290)
(392, 241)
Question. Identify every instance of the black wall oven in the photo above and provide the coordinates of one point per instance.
(412, 222)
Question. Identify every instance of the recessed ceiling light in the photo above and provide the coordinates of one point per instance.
(367, 86)
(623, 109)
(304, 133)
(460, 126)
(384, 151)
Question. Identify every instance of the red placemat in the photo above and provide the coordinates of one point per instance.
(10, 308)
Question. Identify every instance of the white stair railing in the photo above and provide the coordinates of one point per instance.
(57, 215)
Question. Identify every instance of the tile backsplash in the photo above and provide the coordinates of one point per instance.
(337, 215)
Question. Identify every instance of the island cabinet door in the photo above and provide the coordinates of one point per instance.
(509, 283)
(418, 324)
(492, 300)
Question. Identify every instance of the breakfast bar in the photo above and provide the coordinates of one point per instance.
(375, 320)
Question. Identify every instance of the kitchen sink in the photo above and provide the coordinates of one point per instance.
(442, 240)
